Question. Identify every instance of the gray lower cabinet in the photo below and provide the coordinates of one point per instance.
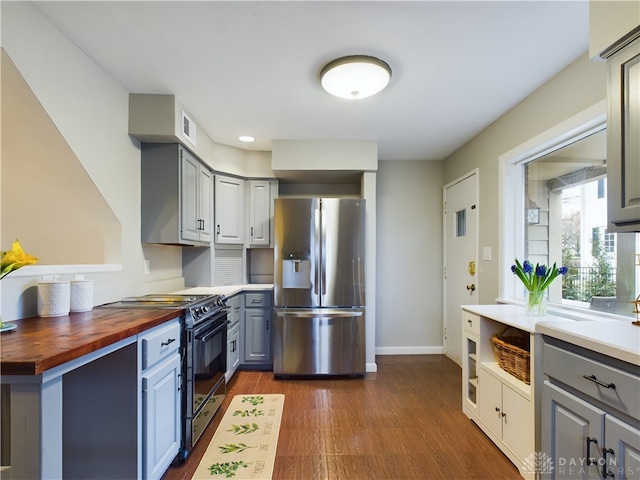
(161, 405)
(233, 351)
(258, 311)
(590, 416)
(234, 304)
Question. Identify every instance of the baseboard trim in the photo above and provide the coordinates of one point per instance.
(409, 350)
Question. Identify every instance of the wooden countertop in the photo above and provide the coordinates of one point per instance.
(39, 344)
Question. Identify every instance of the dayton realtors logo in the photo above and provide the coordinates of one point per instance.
(539, 463)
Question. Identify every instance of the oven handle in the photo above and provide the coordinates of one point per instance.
(206, 336)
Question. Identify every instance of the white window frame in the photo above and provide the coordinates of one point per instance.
(511, 198)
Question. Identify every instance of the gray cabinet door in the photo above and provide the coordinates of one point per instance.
(257, 339)
(189, 197)
(623, 140)
(260, 212)
(572, 432)
(624, 440)
(161, 416)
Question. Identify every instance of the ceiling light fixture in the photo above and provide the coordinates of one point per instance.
(246, 138)
(355, 76)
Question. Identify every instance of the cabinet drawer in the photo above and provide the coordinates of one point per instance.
(159, 343)
(614, 387)
(257, 300)
(471, 322)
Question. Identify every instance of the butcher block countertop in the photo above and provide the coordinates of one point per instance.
(39, 344)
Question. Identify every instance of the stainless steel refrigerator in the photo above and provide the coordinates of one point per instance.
(319, 315)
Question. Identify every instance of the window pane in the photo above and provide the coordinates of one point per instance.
(461, 223)
(568, 186)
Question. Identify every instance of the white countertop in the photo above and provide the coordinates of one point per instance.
(615, 338)
(512, 315)
(227, 290)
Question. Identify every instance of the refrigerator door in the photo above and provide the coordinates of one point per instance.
(296, 252)
(342, 252)
(319, 341)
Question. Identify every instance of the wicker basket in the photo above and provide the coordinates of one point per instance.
(512, 350)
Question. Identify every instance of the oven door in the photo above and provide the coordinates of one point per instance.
(209, 367)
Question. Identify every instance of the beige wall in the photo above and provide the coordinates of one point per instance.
(609, 21)
(579, 86)
(409, 257)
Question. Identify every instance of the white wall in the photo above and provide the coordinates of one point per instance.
(91, 111)
(409, 257)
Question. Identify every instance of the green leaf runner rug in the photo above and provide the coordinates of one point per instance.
(244, 445)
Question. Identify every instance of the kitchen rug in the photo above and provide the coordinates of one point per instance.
(244, 445)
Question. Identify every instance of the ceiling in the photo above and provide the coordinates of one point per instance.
(251, 68)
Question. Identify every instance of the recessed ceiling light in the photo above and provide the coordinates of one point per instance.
(246, 138)
(355, 76)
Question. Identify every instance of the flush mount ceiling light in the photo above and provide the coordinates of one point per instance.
(246, 138)
(355, 76)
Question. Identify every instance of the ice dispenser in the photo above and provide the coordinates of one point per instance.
(296, 271)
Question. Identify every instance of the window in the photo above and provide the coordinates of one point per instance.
(566, 182)
(461, 223)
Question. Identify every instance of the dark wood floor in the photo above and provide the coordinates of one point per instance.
(403, 422)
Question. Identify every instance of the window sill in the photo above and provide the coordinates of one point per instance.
(572, 313)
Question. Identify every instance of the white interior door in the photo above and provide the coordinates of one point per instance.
(460, 257)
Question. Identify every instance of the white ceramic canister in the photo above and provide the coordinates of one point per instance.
(81, 295)
(54, 298)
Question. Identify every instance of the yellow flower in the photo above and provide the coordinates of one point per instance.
(14, 259)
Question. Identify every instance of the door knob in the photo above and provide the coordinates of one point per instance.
(472, 287)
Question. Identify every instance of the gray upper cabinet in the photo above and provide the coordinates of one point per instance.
(177, 196)
(623, 139)
(261, 194)
(229, 210)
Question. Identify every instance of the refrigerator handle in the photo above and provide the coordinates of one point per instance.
(316, 253)
(323, 245)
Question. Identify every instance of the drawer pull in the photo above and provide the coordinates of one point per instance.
(593, 379)
(168, 342)
(605, 471)
(591, 461)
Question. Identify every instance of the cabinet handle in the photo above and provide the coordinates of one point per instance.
(267, 324)
(251, 232)
(218, 229)
(592, 378)
(605, 472)
(497, 410)
(469, 322)
(591, 461)
(169, 341)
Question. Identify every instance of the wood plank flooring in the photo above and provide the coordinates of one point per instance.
(403, 422)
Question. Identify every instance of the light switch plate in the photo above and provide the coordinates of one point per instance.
(486, 253)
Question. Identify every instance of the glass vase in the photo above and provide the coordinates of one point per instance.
(536, 303)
